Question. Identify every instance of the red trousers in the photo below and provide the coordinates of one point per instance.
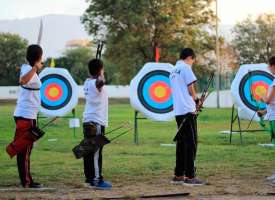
(23, 144)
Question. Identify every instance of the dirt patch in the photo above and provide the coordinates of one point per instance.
(225, 189)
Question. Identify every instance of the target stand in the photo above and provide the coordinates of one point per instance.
(136, 136)
(151, 94)
(235, 118)
(249, 85)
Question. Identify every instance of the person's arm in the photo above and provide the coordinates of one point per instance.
(99, 83)
(192, 91)
(267, 99)
(27, 77)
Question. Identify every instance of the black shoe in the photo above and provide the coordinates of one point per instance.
(193, 182)
(34, 185)
(178, 180)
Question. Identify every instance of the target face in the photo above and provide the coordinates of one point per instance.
(56, 91)
(59, 92)
(150, 92)
(253, 86)
(154, 92)
(251, 82)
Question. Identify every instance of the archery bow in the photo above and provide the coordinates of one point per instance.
(99, 50)
(205, 93)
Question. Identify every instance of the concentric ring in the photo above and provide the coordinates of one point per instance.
(255, 83)
(56, 92)
(154, 92)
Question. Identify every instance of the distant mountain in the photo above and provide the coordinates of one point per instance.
(57, 30)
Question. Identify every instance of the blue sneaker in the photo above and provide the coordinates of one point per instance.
(102, 185)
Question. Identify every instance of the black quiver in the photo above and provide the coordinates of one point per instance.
(93, 140)
(89, 146)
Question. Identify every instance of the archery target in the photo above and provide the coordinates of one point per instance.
(250, 84)
(154, 92)
(59, 92)
(151, 91)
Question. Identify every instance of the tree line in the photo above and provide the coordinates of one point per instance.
(131, 30)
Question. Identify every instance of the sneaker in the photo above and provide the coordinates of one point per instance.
(178, 180)
(193, 182)
(102, 185)
(271, 178)
(34, 186)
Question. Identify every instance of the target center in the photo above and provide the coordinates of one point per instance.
(260, 91)
(160, 91)
(53, 92)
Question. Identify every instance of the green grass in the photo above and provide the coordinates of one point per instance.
(124, 162)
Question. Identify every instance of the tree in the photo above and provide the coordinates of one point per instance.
(228, 58)
(12, 55)
(133, 29)
(76, 61)
(255, 39)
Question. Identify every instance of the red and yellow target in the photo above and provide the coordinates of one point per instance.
(53, 92)
(160, 91)
(256, 83)
(259, 89)
(150, 92)
(59, 92)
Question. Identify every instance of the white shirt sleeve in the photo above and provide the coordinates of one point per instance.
(34, 82)
(24, 70)
(188, 76)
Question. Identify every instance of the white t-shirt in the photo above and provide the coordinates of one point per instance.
(29, 101)
(96, 107)
(180, 77)
(270, 115)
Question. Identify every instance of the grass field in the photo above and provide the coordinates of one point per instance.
(229, 168)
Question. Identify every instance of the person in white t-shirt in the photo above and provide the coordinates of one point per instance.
(26, 110)
(95, 119)
(185, 105)
(270, 111)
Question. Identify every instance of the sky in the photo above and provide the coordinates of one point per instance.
(230, 11)
(12, 9)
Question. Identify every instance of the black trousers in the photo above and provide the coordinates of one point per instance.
(93, 161)
(186, 145)
(23, 158)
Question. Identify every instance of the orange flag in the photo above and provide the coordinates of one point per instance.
(157, 54)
